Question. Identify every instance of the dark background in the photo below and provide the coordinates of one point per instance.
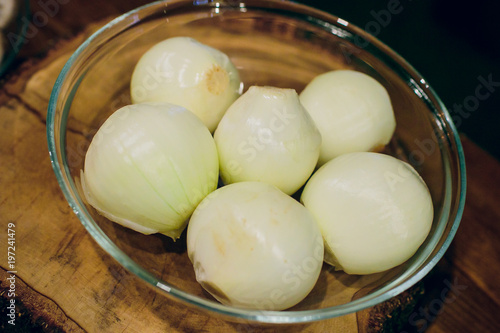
(451, 44)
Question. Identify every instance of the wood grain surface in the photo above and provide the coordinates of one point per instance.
(65, 282)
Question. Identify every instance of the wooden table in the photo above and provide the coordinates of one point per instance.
(66, 282)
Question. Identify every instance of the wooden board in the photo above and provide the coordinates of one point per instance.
(66, 282)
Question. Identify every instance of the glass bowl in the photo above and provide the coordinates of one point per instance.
(278, 43)
(13, 33)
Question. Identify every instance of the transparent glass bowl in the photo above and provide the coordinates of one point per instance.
(276, 43)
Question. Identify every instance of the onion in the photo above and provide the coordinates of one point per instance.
(352, 110)
(148, 167)
(252, 246)
(8, 10)
(267, 135)
(185, 72)
(374, 211)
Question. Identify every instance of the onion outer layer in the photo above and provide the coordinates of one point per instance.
(252, 246)
(185, 72)
(267, 135)
(374, 211)
(148, 166)
(352, 110)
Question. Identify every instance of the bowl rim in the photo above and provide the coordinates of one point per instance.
(67, 185)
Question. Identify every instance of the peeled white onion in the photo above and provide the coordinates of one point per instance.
(252, 246)
(374, 211)
(148, 166)
(183, 71)
(8, 10)
(352, 110)
(267, 135)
